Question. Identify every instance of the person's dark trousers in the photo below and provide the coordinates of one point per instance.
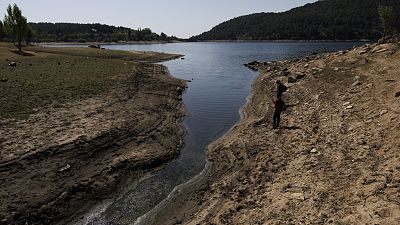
(277, 118)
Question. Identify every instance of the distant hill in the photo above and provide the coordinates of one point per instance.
(322, 20)
(74, 32)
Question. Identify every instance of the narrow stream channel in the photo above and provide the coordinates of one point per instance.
(219, 87)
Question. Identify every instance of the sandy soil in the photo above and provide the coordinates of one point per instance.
(63, 159)
(335, 160)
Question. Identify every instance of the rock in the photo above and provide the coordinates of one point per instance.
(382, 50)
(65, 168)
(291, 80)
(383, 112)
(298, 196)
(346, 103)
(362, 52)
(285, 73)
(94, 46)
(12, 64)
(3, 80)
(179, 91)
(349, 107)
(336, 69)
(397, 94)
(253, 63)
(314, 150)
(182, 58)
(390, 39)
(306, 65)
(267, 63)
(340, 53)
(300, 76)
(356, 83)
(252, 67)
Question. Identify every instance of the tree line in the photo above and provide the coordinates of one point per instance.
(75, 32)
(15, 28)
(322, 20)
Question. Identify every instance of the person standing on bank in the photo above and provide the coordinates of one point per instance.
(279, 107)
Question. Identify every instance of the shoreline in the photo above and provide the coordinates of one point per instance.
(253, 181)
(108, 43)
(180, 194)
(81, 152)
(289, 41)
(153, 216)
(94, 210)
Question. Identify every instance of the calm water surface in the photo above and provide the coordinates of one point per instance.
(219, 87)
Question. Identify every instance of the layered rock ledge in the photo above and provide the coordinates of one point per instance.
(63, 159)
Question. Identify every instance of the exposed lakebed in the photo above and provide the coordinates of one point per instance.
(218, 89)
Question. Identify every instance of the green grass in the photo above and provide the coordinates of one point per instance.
(35, 83)
(55, 76)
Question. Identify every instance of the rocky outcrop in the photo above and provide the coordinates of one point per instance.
(64, 159)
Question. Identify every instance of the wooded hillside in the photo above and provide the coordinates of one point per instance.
(322, 20)
(73, 32)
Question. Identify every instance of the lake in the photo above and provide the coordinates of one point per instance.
(219, 87)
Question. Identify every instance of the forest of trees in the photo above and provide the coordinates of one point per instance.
(322, 20)
(15, 28)
(74, 32)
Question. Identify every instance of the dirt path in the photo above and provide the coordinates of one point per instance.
(334, 161)
(61, 160)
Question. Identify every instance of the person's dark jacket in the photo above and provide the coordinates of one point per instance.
(280, 89)
(280, 105)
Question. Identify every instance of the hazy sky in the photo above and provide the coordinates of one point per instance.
(182, 18)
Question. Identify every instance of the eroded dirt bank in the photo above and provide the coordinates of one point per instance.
(334, 161)
(65, 158)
